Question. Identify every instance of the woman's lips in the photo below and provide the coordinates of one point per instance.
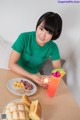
(42, 39)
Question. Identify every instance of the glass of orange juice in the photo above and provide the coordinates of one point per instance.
(54, 81)
(53, 84)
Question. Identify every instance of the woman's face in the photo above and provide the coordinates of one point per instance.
(42, 36)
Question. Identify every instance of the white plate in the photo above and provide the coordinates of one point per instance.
(17, 101)
(14, 90)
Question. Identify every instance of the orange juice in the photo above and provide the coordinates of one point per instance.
(53, 84)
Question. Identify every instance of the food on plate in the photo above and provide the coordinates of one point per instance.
(17, 111)
(35, 110)
(18, 84)
(26, 100)
(58, 72)
(27, 85)
(23, 86)
(23, 110)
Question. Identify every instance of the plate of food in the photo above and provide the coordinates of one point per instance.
(23, 109)
(21, 86)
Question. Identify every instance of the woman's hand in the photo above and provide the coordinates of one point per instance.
(39, 79)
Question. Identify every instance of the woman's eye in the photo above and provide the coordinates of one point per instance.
(49, 32)
(41, 28)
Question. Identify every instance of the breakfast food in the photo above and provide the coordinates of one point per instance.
(58, 72)
(17, 111)
(18, 84)
(35, 110)
(23, 110)
(27, 85)
(26, 100)
(23, 86)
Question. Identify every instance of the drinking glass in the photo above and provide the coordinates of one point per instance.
(53, 84)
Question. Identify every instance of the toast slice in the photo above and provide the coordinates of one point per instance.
(35, 110)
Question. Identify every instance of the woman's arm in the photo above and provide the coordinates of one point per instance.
(14, 57)
(56, 64)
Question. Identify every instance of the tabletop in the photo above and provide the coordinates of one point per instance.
(60, 107)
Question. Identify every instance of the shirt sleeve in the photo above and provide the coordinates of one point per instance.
(55, 55)
(19, 44)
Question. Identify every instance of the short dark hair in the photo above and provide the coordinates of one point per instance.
(52, 23)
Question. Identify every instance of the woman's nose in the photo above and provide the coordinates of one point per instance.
(44, 34)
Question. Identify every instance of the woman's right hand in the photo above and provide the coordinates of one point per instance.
(39, 79)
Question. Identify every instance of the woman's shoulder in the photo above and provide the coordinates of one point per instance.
(26, 37)
(31, 33)
(53, 44)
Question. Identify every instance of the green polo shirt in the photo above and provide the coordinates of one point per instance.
(33, 55)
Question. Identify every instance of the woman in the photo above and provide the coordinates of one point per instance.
(32, 49)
